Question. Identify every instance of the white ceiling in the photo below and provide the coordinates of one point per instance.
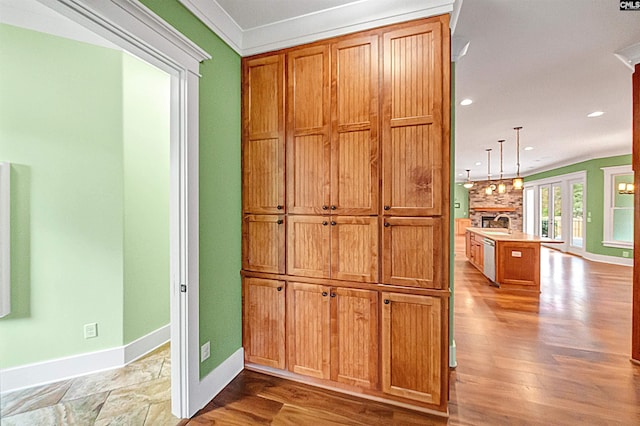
(540, 64)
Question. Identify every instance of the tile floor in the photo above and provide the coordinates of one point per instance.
(138, 394)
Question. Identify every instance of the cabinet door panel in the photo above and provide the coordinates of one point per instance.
(308, 117)
(263, 139)
(411, 252)
(264, 322)
(308, 329)
(354, 248)
(308, 246)
(354, 334)
(412, 121)
(412, 346)
(354, 161)
(264, 243)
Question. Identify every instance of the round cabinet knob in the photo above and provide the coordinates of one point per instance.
(324, 293)
(333, 295)
(387, 207)
(387, 224)
(333, 223)
(280, 222)
(325, 223)
(333, 207)
(387, 301)
(280, 288)
(279, 207)
(325, 208)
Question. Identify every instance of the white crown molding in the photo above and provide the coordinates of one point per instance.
(55, 370)
(630, 56)
(349, 18)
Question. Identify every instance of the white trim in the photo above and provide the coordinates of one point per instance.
(5, 239)
(618, 244)
(220, 377)
(614, 260)
(55, 370)
(344, 19)
(555, 179)
(606, 153)
(453, 362)
(607, 211)
(630, 56)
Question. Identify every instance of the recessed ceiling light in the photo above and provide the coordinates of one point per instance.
(595, 114)
(528, 148)
(478, 164)
(460, 174)
(466, 102)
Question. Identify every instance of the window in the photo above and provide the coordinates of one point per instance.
(618, 208)
(5, 271)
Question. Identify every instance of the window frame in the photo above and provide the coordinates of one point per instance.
(610, 174)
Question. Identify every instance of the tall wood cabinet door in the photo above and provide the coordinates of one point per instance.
(264, 322)
(412, 121)
(308, 117)
(263, 187)
(354, 337)
(263, 243)
(412, 346)
(411, 252)
(354, 248)
(308, 246)
(308, 329)
(354, 126)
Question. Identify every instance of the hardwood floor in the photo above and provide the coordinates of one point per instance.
(558, 359)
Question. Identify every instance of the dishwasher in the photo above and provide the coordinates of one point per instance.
(490, 259)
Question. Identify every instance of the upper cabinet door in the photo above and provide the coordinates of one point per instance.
(412, 121)
(263, 135)
(354, 126)
(308, 151)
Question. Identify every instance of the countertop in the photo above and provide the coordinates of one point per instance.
(496, 234)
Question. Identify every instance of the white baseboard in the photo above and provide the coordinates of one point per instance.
(614, 260)
(453, 362)
(41, 373)
(215, 381)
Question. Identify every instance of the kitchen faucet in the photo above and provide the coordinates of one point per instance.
(495, 219)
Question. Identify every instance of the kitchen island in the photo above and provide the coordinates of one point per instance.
(509, 260)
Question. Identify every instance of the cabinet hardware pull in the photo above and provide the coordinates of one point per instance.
(324, 293)
(280, 288)
(324, 207)
(325, 223)
(333, 295)
(280, 221)
(387, 224)
(387, 207)
(386, 301)
(279, 207)
(333, 223)
(333, 207)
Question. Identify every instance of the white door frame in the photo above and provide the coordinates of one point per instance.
(130, 25)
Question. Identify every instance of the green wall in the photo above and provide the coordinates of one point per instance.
(595, 198)
(461, 196)
(146, 118)
(220, 189)
(62, 126)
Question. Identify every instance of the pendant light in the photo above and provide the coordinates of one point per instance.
(502, 187)
(490, 187)
(468, 184)
(518, 182)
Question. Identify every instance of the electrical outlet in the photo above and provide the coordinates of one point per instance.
(205, 352)
(90, 330)
(625, 254)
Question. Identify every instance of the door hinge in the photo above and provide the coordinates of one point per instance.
(183, 288)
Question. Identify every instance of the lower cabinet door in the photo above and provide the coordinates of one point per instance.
(308, 329)
(412, 347)
(264, 321)
(354, 337)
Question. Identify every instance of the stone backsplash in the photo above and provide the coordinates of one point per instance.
(511, 199)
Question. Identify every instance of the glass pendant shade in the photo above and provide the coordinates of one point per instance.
(468, 184)
(518, 183)
(502, 188)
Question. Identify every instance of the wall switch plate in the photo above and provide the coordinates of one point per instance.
(625, 254)
(90, 330)
(205, 352)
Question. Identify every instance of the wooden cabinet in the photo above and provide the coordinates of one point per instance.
(264, 321)
(338, 247)
(263, 186)
(333, 333)
(475, 250)
(412, 347)
(263, 241)
(410, 252)
(461, 225)
(518, 265)
(412, 121)
(332, 141)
